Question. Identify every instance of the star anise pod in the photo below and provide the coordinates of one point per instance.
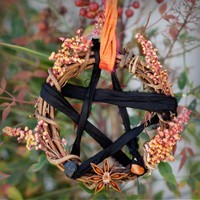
(105, 177)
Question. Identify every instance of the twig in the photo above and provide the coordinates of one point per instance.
(181, 28)
(174, 1)
(69, 30)
(17, 100)
(187, 50)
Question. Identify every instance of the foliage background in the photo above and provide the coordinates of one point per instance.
(173, 28)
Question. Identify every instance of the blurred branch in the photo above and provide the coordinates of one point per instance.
(174, 1)
(30, 63)
(186, 51)
(18, 101)
(52, 7)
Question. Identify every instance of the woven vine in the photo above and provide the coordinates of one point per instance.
(46, 135)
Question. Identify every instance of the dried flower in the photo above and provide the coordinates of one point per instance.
(157, 75)
(96, 30)
(70, 52)
(22, 134)
(63, 142)
(161, 146)
(37, 139)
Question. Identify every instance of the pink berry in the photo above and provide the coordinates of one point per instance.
(136, 4)
(129, 12)
(159, 1)
(79, 3)
(83, 12)
(120, 11)
(93, 6)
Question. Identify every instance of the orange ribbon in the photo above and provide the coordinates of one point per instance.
(108, 45)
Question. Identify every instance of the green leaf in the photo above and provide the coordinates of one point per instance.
(152, 33)
(191, 182)
(197, 176)
(42, 161)
(172, 187)
(197, 92)
(13, 193)
(166, 171)
(141, 190)
(132, 197)
(191, 128)
(194, 168)
(178, 96)
(182, 81)
(101, 195)
(88, 29)
(26, 50)
(18, 28)
(158, 195)
(85, 188)
(15, 177)
(144, 136)
(193, 105)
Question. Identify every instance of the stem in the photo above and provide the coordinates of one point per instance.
(18, 101)
(26, 50)
(69, 30)
(187, 50)
(174, 1)
(136, 22)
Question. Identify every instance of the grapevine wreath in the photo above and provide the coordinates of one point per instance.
(98, 50)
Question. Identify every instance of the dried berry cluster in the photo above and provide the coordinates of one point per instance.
(25, 134)
(98, 25)
(160, 148)
(168, 133)
(157, 76)
(71, 49)
(38, 139)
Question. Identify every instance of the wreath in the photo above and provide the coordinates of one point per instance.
(77, 55)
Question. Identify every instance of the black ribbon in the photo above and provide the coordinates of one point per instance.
(87, 104)
(140, 100)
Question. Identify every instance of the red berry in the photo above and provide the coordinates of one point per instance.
(83, 12)
(192, 1)
(120, 11)
(129, 12)
(43, 26)
(91, 15)
(159, 1)
(93, 6)
(136, 4)
(62, 10)
(101, 13)
(79, 2)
